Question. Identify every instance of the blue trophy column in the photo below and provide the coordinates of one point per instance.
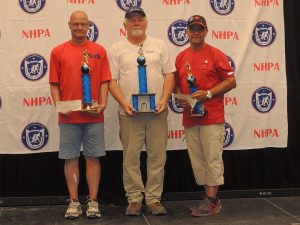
(143, 89)
(142, 79)
(86, 85)
(198, 108)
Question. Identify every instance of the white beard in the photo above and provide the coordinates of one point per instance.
(137, 32)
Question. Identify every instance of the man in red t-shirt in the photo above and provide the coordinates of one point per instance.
(204, 134)
(80, 128)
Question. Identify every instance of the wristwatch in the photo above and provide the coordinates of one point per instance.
(208, 94)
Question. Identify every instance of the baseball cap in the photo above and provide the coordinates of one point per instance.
(134, 11)
(196, 19)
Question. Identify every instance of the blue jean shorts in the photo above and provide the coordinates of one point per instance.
(89, 136)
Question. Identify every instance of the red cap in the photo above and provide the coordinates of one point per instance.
(196, 19)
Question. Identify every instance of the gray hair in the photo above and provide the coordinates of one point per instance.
(125, 20)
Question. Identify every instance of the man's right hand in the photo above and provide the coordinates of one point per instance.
(183, 103)
(129, 109)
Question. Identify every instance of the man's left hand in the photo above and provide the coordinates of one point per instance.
(200, 95)
(97, 109)
(160, 107)
(100, 108)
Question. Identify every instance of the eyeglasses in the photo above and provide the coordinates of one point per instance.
(84, 25)
(196, 29)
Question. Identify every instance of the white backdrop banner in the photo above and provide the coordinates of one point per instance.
(250, 32)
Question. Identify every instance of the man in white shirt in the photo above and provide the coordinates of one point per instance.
(137, 129)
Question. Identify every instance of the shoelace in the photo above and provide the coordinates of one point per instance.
(93, 205)
(136, 205)
(155, 205)
(73, 206)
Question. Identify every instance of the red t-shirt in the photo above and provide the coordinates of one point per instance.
(210, 67)
(65, 68)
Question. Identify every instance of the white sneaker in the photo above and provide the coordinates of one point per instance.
(73, 211)
(92, 210)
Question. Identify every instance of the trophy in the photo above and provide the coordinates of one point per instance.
(143, 102)
(198, 109)
(86, 84)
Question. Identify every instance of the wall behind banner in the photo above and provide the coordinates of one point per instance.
(250, 32)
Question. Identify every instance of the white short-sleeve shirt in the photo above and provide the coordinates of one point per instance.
(124, 67)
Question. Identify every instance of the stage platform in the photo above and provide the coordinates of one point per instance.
(236, 211)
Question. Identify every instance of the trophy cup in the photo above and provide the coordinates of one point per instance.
(198, 109)
(86, 84)
(143, 102)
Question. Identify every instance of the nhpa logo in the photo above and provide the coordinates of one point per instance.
(229, 135)
(222, 7)
(266, 3)
(34, 67)
(266, 66)
(126, 4)
(32, 6)
(176, 134)
(231, 62)
(263, 99)
(264, 34)
(36, 33)
(174, 106)
(81, 2)
(35, 136)
(93, 32)
(37, 101)
(225, 35)
(177, 33)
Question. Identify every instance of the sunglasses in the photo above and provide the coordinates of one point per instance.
(194, 29)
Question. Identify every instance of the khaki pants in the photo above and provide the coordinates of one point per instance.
(205, 148)
(135, 131)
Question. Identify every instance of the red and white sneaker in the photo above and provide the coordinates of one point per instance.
(206, 208)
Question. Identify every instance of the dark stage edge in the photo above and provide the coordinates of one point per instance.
(173, 196)
(241, 211)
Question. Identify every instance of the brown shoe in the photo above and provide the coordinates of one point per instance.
(133, 209)
(157, 209)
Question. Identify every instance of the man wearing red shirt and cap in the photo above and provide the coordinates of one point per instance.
(212, 76)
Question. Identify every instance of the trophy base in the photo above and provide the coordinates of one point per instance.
(198, 110)
(89, 110)
(150, 111)
(198, 114)
(144, 103)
